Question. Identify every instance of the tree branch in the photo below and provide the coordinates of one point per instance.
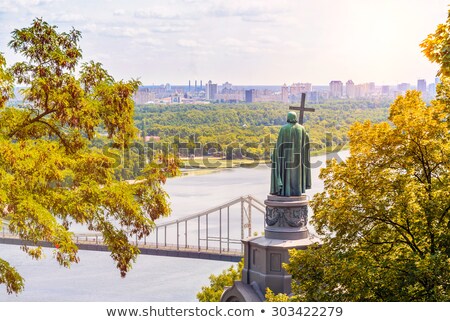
(36, 119)
(399, 228)
(55, 131)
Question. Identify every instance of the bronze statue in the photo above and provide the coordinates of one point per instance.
(291, 172)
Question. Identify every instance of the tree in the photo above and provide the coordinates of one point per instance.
(213, 292)
(435, 47)
(384, 213)
(48, 176)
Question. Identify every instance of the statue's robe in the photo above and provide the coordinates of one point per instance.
(291, 171)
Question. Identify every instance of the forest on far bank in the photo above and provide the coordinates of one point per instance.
(253, 126)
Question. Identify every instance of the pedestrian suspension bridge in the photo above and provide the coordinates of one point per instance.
(214, 234)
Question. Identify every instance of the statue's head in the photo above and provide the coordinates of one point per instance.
(292, 117)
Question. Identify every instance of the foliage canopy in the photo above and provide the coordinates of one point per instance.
(49, 178)
(213, 292)
(384, 213)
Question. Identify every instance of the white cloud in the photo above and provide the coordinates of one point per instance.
(197, 48)
(157, 13)
(237, 46)
(149, 42)
(294, 45)
(90, 27)
(28, 3)
(239, 35)
(119, 12)
(260, 18)
(253, 46)
(116, 31)
(168, 28)
(100, 57)
(247, 8)
(67, 17)
(7, 7)
(188, 43)
(231, 42)
(122, 31)
(10, 6)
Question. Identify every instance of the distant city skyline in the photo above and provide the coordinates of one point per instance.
(244, 42)
(229, 93)
(412, 83)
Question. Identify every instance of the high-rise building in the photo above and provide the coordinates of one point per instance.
(403, 87)
(298, 88)
(422, 86)
(144, 95)
(336, 89)
(350, 89)
(250, 95)
(284, 94)
(314, 97)
(371, 88)
(227, 87)
(362, 90)
(385, 90)
(211, 91)
(432, 89)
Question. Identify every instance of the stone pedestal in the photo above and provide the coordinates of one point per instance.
(285, 228)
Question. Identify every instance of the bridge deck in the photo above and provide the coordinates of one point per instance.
(148, 249)
(202, 247)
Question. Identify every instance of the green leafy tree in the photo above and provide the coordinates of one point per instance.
(49, 178)
(435, 47)
(280, 297)
(384, 213)
(213, 292)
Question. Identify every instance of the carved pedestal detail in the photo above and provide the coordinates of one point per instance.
(286, 217)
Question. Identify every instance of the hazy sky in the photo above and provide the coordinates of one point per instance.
(243, 41)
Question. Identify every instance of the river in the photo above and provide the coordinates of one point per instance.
(153, 278)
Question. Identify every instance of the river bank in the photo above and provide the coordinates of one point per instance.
(208, 164)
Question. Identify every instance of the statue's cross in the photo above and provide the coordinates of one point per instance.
(302, 109)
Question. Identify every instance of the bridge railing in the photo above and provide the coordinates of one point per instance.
(211, 230)
(212, 227)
